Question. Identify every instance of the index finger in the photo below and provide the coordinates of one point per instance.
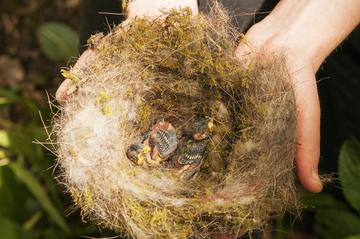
(61, 93)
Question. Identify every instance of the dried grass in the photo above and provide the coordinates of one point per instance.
(178, 69)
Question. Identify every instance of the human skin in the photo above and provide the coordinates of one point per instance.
(306, 31)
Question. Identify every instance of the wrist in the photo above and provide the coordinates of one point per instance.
(273, 38)
(280, 34)
(310, 30)
(155, 8)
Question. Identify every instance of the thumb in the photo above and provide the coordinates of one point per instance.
(307, 129)
(62, 92)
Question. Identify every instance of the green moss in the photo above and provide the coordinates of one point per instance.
(68, 74)
(189, 69)
(103, 101)
(144, 115)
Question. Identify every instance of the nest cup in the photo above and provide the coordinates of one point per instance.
(170, 135)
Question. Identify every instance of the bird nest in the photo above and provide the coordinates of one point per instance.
(170, 135)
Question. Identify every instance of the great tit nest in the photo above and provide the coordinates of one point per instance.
(169, 135)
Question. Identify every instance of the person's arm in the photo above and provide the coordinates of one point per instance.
(307, 31)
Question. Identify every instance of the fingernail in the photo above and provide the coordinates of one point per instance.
(316, 178)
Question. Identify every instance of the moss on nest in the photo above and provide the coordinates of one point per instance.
(179, 69)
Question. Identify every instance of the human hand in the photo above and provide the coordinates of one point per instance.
(307, 102)
(296, 29)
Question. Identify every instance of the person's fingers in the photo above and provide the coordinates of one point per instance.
(253, 43)
(245, 49)
(155, 8)
(85, 58)
(308, 112)
(307, 101)
(307, 129)
(62, 92)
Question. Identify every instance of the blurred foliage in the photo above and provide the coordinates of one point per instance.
(337, 218)
(58, 41)
(31, 202)
(349, 172)
(331, 216)
(35, 40)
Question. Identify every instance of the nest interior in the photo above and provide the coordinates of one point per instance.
(170, 135)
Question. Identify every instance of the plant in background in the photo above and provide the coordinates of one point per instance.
(336, 217)
(31, 205)
(28, 194)
(58, 41)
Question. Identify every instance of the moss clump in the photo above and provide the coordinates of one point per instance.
(180, 70)
(103, 100)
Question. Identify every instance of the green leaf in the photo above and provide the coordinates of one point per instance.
(337, 223)
(32, 221)
(3, 101)
(58, 41)
(349, 172)
(13, 196)
(9, 229)
(4, 139)
(354, 237)
(10, 97)
(21, 144)
(36, 189)
(3, 161)
(322, 200)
